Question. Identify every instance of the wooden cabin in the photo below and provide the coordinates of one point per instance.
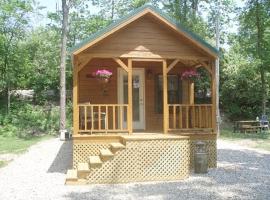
(141, 122)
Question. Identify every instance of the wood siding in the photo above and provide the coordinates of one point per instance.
(145, 38)
(91, 90)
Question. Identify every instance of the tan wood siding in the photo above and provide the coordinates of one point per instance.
(145, 38)
(91, 90)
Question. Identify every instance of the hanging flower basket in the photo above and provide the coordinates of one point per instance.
(103, 75)
(190, 74)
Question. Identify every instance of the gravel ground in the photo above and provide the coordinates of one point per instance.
(242, 173)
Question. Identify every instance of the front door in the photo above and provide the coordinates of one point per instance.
(137, 94)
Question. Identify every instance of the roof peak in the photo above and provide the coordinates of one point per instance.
(135, 12)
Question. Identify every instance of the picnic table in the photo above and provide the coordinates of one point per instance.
(247, 126)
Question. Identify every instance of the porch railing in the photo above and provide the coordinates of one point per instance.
(184, 116)
(103, 118)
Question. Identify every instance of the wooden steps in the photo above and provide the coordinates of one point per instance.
(83, 167)
(71, 176)
(83, 170)
(116, 146)
(95, 162)
(79, 175)
(105, 154)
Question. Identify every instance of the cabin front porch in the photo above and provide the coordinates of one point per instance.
(141, 96)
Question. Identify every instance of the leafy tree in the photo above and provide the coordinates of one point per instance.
(66, 6)
(188, 13)
(83, 24)
(111, 9)
(14, 22)
(239, 85)
(254, 37)
(114, 9)
(44, 52)
(225, 11)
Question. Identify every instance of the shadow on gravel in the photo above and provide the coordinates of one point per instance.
(63, 160)
(241, 174)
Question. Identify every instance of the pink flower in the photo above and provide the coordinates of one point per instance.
(103, 73)
(190, 74)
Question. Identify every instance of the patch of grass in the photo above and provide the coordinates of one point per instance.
(3, 163)
(258, 140)
(229, 134)
(18, 145)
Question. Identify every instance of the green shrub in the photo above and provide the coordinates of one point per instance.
(9, 130)
(26, 119)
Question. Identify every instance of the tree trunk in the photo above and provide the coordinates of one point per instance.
(259, 50)
(263, 89)
(112, 12)
(185, 10)
(7, 82)
(65, 11)
(194, 6)
(8, 97)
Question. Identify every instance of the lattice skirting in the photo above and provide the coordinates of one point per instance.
(211, 146)
(143, 160)
(82, 151)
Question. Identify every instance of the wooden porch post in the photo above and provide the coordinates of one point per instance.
(191, 92)
(75, 97)
(213, 87)
(130, 110)
(191, 103)
(165, 98)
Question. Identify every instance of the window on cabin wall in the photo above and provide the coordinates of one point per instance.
(174, 91)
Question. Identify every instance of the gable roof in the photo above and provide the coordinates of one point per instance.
(132, 16)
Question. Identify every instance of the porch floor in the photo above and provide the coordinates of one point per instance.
(146, 135)
(153, 136)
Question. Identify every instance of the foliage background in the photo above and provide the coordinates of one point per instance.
(30, 54)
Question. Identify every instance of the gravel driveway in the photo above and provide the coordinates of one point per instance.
(242, 173)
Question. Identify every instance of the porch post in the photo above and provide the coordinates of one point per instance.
(75, 97)
(130, 110)
(191, 92)
(213, 92)
(165, 98)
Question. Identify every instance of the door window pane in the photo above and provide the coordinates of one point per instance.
(135, 96)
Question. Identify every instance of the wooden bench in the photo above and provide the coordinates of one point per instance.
(250, 128)
(247, 126)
